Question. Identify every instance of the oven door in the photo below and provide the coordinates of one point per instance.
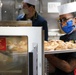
(13, 55)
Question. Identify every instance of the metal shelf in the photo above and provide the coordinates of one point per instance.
(59, 51)
(12, 71)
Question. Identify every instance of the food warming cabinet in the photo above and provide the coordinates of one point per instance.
(21, 51)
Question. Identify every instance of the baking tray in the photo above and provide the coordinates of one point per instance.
(59, 51)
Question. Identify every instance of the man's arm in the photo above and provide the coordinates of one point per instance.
(62, 64)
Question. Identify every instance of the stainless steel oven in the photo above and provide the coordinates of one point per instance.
(21, 51)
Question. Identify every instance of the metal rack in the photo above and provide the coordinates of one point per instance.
(59, 51)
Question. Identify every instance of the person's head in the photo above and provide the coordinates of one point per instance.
(28, 6)
(67, 17)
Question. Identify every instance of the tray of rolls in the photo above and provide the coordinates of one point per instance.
(17, 45)
(59, 46)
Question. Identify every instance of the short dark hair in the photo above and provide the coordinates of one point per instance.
(74, 14)
(30, 5)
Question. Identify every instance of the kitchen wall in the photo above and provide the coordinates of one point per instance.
(8, 10)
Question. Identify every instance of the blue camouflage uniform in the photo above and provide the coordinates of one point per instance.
(37, 20)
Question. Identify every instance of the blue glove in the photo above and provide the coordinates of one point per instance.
(19, 17)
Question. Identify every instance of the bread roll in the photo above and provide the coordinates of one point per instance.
(71, 45)
(62, 45)
(47, 45)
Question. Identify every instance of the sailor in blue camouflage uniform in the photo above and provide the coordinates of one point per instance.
(65, 63)
(30, 13)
